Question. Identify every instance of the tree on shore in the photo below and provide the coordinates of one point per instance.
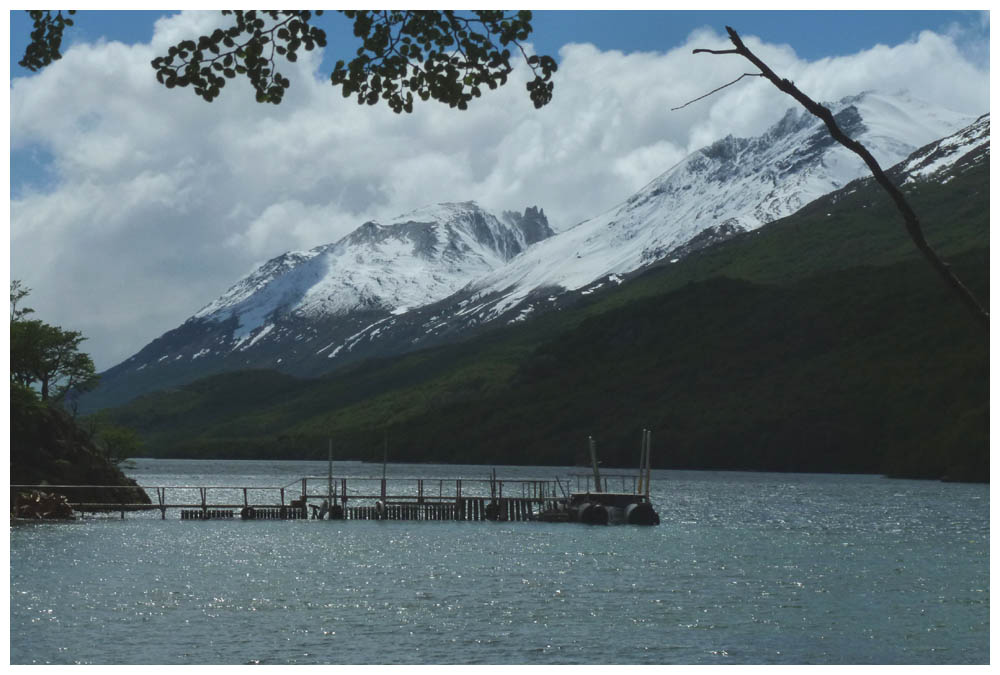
(45, 358)
(118, 443)
(18, 293)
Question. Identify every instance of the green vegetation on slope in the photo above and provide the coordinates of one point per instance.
(47, 446)
(818, 343)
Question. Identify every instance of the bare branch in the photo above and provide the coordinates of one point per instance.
(912, 223)
(715, 51)
(729, 84)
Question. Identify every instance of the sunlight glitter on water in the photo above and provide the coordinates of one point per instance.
(746, 568)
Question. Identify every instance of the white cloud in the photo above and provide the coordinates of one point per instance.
(288, 221)
(162, 201)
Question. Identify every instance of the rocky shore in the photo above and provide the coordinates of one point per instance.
(47, 450)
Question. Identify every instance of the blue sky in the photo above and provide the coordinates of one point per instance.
(133, 206)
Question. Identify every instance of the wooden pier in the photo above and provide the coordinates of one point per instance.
(358, 498)
(354, 498)
(339, 498)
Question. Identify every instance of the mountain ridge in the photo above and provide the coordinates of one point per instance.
(720, 187)
(820, 342)
(519, 267)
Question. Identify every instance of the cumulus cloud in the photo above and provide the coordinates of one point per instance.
(160, 201)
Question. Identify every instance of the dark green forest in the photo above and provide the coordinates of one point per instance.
(820, 342)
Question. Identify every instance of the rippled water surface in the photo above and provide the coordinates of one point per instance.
(745, 568)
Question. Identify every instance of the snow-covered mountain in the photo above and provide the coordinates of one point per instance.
(418, 258)
(276, 316)
(731, 186)
(433, 275)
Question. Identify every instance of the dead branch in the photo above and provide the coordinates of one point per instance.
(910, 219)
(728, 84)
(715, 51)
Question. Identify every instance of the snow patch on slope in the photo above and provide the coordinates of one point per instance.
(942, 155)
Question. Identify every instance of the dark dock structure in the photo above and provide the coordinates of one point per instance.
(589, 501)
(354, 498)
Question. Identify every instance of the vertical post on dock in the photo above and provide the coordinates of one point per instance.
(329, 473)
(649, 469)
(593, 460)
(385, 459)
(161, 496)
(642, 462)
(303, 490)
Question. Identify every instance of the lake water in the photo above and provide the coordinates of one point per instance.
(745, 568)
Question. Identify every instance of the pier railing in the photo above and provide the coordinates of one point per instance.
(585, 482)
(357, 498)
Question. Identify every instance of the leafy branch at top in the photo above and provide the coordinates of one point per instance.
(247, 48)
(46, 38)
(440, 55)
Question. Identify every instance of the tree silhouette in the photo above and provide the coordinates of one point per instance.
(45, 356)
(443, 55)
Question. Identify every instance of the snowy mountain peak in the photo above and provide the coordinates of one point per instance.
(454, 229)
(417, 258)
(732, 185)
